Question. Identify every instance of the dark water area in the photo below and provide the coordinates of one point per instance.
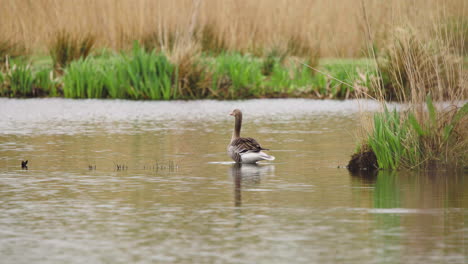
(180, 199)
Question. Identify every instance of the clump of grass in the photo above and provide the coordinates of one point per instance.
(44, 82)
(388, 140)
(66, 47)
(20, 81)
(149, 75)
(115, 78)
(83, 79)
(236, 76)
(139, 75)
(405, 141)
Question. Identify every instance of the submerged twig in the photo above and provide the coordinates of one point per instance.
(120, 167)
(170, 166)
(24, 164)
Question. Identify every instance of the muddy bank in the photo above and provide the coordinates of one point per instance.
(363, 161)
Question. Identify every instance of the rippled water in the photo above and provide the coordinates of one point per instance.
(180, 198)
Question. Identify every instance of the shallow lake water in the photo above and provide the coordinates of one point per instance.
(113, 181)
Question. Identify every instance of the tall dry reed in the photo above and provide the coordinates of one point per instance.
(332, 27)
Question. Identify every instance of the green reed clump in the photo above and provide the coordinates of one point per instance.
(66, 47)
(138, 75)
(115, 77)
(420, 138)
(237, 76)
(388, 139)
(149, 75)
(83, 79)
(45, 83)
(20, 81)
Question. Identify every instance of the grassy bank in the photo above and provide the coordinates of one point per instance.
(430, 138)
(144, 74)
(426, 71)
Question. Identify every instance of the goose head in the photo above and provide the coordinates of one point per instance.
(236, 113)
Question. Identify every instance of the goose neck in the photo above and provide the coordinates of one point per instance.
(237, 127)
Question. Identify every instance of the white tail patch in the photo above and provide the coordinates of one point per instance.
(252, 157)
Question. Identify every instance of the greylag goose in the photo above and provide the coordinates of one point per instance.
(245, 150)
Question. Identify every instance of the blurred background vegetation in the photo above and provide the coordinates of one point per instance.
(232, 49)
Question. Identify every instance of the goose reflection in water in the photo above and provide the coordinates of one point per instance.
(247, 175)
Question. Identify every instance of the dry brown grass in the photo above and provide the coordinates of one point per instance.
(66, 47)
(416, 65)
(332, 27)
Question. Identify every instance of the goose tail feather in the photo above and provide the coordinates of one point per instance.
(253, 157)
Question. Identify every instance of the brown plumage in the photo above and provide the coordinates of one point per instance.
(245, 150)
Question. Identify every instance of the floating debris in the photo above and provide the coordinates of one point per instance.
(24, 164)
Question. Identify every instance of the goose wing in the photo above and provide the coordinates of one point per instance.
(242, 145)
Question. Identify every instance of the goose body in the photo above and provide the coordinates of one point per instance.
(245, 150)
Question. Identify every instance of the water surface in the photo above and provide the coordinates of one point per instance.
(179, 198)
